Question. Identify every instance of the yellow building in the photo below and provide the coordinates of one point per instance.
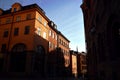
(25, 39)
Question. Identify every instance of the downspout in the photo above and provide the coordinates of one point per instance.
(8, 52)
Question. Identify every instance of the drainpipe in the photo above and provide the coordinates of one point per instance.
(9, 39)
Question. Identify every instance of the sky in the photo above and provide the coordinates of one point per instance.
(66, 14)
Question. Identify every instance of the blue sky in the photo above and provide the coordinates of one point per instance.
(66, 14)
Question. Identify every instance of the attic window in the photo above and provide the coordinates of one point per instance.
(15, 9)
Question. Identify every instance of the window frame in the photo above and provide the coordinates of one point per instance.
(16, 31)
(39, 31)
(44, 35)
(8, 20)
(28, 16)
(27, 30)
(18, 18)
(3, 48)
(6, 32)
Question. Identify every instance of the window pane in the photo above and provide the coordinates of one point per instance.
(45, 23)
(15, 9)
(8, 20)
(27, 30)
(50, 33)
(39, 19)
(16, 30)
(50, 45)
(5, 33)
(18, 18)
(28, 16)
(39, 31)
(3, 49)
(44, 35)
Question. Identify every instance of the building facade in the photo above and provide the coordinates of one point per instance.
(102, 33)
(25, 39)
(82, 64)
(78, 64)
(63, 43)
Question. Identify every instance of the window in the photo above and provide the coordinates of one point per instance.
(39, 19)
(16, 31)
(18, 18)
(28, 16)
(8, 20)
(15, 9)
(56, 37)
(53, 46)
(39, 30)
(3, 48)
(50, 33)
(5, 33)
(53, 35)
(44, 35)
(59, 40)
(27, 30)
(50, 45)
(45, 23)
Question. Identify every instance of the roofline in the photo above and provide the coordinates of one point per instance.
(63, 36)
(27, 7)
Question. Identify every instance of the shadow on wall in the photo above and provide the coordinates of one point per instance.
(55, 64)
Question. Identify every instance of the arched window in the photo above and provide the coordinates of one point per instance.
(16, 7)
(18, 58)
(19, 48)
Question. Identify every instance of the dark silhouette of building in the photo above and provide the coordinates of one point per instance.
(102, 33)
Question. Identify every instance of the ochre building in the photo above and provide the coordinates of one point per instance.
(27, 36)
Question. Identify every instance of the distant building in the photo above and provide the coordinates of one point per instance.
(78, 63)
(81, 64)
(102, 33)
(27, 36)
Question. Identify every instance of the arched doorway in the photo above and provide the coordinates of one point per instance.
(18, 58)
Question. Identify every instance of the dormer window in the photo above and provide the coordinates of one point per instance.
(52, 23)
(15, 9)
(55, 26)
